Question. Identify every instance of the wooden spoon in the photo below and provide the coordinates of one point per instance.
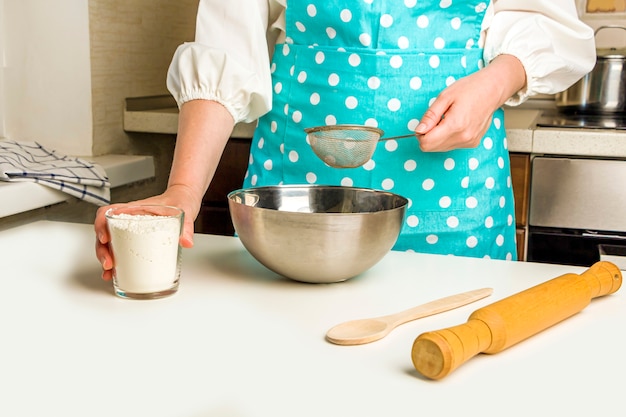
(358, 332)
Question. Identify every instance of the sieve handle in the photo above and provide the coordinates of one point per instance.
(414, 135)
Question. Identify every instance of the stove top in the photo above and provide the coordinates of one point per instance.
(582, 121)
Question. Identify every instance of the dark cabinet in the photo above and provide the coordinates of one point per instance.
(214, 217)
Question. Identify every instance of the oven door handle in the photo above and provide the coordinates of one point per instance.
(604, 236)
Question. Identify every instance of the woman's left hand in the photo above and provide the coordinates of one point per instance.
(461, 114)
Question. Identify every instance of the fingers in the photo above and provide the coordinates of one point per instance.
(106, 260)
(99, 225)
(430, 119)
(447, 125)
(102, 244)
(433, 134)
(186, 239)
(448, 135)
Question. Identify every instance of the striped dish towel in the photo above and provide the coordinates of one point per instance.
(29, 161)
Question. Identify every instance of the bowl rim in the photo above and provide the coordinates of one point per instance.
(402, 206)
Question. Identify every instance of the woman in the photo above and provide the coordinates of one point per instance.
(442, 69)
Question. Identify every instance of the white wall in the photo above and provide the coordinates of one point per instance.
(132, 44)
(46, 88)
(2, 128)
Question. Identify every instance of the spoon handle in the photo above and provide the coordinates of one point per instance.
(438, 306)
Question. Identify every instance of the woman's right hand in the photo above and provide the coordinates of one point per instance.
(177, 196)
(462, 113)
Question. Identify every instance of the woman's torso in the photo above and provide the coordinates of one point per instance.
(381, 65)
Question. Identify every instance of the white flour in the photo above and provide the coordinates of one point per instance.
(145, 251)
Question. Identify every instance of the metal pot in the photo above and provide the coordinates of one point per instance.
(603, 89)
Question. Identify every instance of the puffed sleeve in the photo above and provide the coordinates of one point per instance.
(554, 45)
(228, 61)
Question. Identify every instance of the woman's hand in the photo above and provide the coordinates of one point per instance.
(462, 113)
(176, 196)
(203, 129)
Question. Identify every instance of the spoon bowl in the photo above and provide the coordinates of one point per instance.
(359, 331)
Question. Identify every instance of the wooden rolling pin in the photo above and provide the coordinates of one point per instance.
(504, 323)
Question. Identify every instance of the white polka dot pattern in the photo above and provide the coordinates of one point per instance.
(381, 63)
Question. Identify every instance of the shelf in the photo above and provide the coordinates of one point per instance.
(20, 197)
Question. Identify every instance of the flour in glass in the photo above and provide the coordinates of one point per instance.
(146, 250)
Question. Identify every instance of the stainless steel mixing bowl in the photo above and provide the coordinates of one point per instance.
(317, 234)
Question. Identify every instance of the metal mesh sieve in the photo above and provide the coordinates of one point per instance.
(346, 146)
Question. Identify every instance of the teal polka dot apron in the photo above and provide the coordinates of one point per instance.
(380, 63)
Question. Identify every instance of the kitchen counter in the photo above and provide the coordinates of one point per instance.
(19, 197)
(238, 340)
(159, 114)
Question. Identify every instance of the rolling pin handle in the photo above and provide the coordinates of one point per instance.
(436, 354)
(603, 278)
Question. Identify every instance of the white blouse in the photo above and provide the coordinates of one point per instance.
(229, 61)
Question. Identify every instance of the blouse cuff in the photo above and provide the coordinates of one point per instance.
(554, 57)
(241, 91)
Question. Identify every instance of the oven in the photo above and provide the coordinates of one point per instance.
(577, 210)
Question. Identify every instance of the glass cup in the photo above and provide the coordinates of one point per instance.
(146, 250)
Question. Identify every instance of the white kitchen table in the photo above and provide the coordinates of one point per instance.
(238, 340)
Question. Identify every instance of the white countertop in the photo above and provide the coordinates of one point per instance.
(580, 142)
(239, 341)
(524, 136)
(19, 197)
